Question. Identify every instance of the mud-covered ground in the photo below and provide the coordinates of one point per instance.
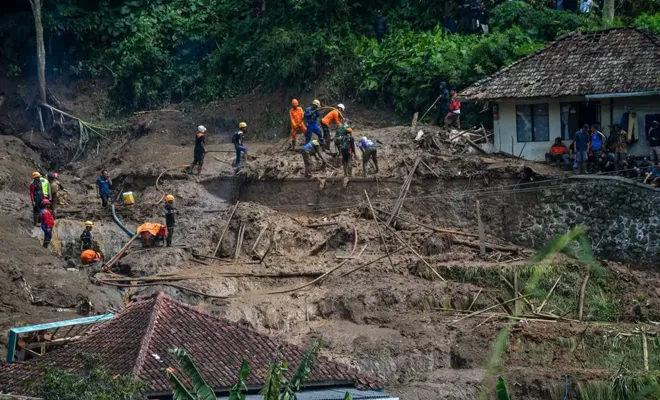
(397, 318)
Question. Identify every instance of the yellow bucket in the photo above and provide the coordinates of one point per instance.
(129, 199)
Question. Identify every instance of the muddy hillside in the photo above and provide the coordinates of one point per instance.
(410, 273)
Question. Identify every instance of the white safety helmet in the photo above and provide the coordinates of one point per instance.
(201, 128)
(341, 107)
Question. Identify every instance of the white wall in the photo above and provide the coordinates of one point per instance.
(642, 106)
(505, 128)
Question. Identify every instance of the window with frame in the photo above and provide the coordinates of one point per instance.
(532, 122)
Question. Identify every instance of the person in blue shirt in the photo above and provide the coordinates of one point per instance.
(104, 184)
(654, 175)
(582, 148)
(313, 148)
(312, 117)
(237, 140)
(368, 148)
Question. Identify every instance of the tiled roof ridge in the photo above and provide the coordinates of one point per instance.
(655, 39)
(158, 300)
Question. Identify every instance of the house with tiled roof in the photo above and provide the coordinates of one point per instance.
(600, 78)
(136, 341)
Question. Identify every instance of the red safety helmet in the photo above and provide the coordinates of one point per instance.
(45, 202)
(56, 175)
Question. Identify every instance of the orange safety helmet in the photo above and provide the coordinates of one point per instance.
(349, 130)
(294, 103)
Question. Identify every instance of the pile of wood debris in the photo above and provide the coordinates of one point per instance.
(453, 141)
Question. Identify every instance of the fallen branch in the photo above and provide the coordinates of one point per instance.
(488, 309)
(320, 278)
(548, 296)
(372, 262)
(583, 290)
(322, 224)
(403, 242)
(256, 242)
(474, 300)
(428, 227)
(153, 111)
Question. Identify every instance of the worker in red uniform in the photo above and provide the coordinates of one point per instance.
(47, 221)
(36, 195)
(333, 117)
(296, 115)
(454, 114)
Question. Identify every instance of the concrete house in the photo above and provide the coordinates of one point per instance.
(597, 78)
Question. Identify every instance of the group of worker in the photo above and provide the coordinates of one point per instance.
(310, 123)
(46, 193)
(200, 147)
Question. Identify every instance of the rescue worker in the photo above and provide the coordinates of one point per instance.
(368, 148)
(312, 117)
(333, 117)
(104, 184)
(47, 221)
(200, 150)
(311, 148)
(341, 131)
(237, 140)
(45, 187)
(89, 257)
(86, 237)
(57, 191)
(36, 195)
(296, 115)
(347, 149)
(169, 218)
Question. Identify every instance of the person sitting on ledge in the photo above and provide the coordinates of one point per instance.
(654, 176)
(558, 153)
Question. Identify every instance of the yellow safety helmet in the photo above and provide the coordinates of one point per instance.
(316, 103)
(35, 174)
(315, 142)
(169, 197)
(242, 125)
(89, 223)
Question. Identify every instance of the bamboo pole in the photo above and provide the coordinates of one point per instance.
(403, 242)
(583, 290)
(482, 245)
(487, 309)
(548, 296)
(380, 233)
(215, 253)
(645, 349)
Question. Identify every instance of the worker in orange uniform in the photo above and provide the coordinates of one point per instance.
(296, 115)
(333, 117)
(89, 257)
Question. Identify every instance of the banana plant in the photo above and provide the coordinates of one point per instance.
(200, 389)
(502, 391)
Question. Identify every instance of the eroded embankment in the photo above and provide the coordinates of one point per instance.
(620, 216)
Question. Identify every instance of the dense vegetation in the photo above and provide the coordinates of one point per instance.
(156, 51)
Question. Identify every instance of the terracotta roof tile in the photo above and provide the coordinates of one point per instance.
(615, 60)
(127, 344)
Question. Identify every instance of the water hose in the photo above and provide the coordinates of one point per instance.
(118, 222)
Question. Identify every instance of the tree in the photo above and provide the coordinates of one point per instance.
(608, 10)
(41, 50)
(93, 383)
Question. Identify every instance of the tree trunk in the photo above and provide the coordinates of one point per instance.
(41, 50)
(608, 10)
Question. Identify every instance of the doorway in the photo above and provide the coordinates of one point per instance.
(574, 115)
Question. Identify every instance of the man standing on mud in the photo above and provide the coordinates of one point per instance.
(312, 148)
(312, 117)
(169, 218)
(200, 150)
(443, 104)
(237, 140)
(297, 125)
(104, 184)
(36, 195)
(86, 237)
(347, 148)
(47, 221)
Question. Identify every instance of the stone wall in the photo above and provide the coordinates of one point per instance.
(622, 217)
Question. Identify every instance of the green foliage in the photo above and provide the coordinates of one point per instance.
(502, 391)
(301, 375)
(201, 389)
(94, 383)
(275, 379)
(650, 22)
(624, 386)
(406, 70)
(540, 23)
(237, 392)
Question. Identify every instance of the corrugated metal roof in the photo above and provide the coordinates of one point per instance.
(332, 394)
